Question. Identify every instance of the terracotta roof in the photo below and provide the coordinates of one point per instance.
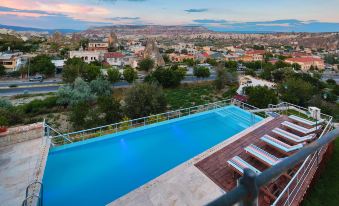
(241, 98)
(113, 55)
(252, 52)
(304, 59)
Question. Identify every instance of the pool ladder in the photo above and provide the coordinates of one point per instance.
(29, 198)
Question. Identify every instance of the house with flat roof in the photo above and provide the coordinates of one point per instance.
(11, 61)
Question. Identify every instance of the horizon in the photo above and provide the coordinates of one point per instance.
(225, 16)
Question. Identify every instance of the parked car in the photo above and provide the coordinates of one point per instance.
(38, 78)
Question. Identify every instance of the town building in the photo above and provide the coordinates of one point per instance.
(307, 62)
(98, 46)
(12, 61)
(87, 56)
(114, 58)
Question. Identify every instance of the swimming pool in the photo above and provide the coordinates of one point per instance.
(100, 170)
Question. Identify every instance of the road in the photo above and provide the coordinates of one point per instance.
(51, 86)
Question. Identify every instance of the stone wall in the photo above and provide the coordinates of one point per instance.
(21, 133)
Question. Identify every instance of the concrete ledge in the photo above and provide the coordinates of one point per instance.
(21, 133)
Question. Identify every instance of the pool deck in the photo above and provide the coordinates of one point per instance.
(184, 184)
(17, 169)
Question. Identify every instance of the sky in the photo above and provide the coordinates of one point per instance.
(218, 15)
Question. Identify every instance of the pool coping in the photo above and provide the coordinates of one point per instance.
(117, 134)
(145, 192)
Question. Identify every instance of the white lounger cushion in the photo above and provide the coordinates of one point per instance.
(241, 164)
(262, 155)
(305, 121)
(290, 136)
(279, 144)
(300, 128)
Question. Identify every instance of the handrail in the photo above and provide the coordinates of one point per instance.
(247, 191)
(24, 203)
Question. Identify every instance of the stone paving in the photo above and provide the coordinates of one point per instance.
(17, 167)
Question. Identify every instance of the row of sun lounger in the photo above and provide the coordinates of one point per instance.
(238, 164)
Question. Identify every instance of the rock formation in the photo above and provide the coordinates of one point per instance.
(152, 51)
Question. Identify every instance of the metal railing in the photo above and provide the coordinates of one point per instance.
(60, 139)
(311, 156)
(33, 199)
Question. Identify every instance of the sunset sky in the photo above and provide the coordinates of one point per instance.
(220, 15)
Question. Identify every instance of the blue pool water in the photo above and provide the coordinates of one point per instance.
(98, 171)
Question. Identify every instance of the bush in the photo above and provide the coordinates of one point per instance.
(113, 75)
(167, 77)
(261, 96)
(40, 106)
(296, 91)
(201, 72)
(130, 75)
(144, 99)
(2, 70)
(146, 64)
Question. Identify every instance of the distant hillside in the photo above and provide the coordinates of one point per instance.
(18, 28)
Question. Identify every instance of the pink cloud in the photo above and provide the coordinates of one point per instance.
(76, 11)
(22, 14)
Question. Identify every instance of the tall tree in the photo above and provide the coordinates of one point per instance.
(130, 75)
(144, 99)
(260, 96)
(113, 75)
(296, 91)
(146, 64)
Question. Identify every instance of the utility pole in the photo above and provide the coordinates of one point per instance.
(29, 64)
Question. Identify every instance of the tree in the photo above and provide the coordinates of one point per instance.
(90, 72)
(296, 91)
(231, 64)
(189, 62)
(78, 114)
(166, 58)
(72, 69)
(201, 72)
(81, 92)
(64, 95)
(212, 62)
(42, 64)
(2, 70)
(224, 77)
(130, 75)
(331, 82)
(250, 72)
(296, 66)
(167, 77)
(101, 87)
(110, 108)
(144, 99)
(260, 96)
(146, 64)
(113, 75)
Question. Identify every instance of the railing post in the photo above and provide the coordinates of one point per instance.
(249, 181)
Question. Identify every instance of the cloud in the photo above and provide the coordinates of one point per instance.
(123, 18)
(281, 25)
(196, 10)
(209, 21)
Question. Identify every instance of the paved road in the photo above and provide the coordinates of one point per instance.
(45, 87)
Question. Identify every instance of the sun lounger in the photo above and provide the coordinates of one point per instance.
(279, 145)
(261, 155)
(292, 137)
(305, 121)
(301, 129)
(239, 165)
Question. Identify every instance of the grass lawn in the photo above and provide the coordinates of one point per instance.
(326, 190)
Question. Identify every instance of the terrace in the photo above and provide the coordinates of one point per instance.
(207, 176)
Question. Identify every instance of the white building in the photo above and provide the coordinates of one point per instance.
(87, 56)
